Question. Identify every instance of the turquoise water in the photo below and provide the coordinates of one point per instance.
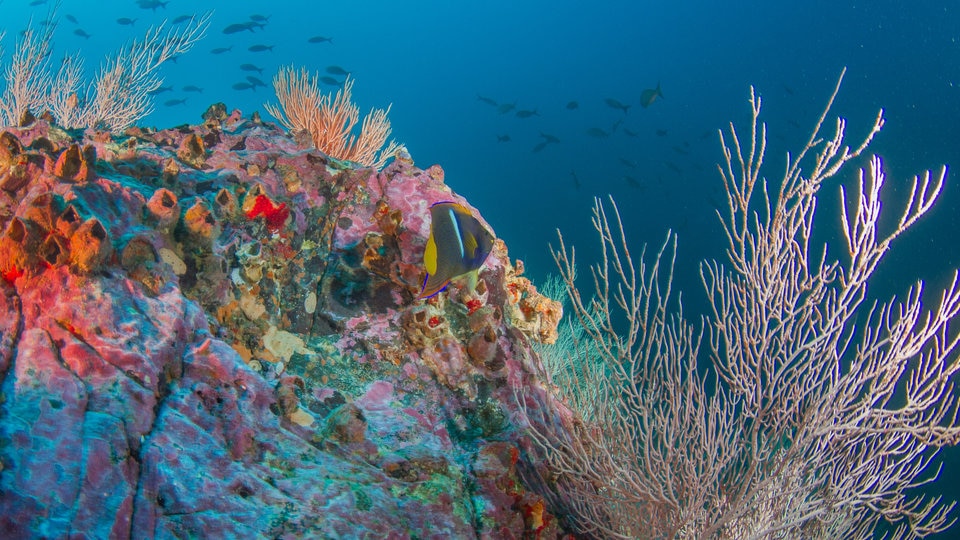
(432, 60)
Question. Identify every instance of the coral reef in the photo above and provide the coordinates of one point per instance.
(210, 331)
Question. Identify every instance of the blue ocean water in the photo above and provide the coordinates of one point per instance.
(432, 60)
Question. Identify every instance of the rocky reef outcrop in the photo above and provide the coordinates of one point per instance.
(210, 331)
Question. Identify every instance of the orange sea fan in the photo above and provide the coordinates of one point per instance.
(330, 119)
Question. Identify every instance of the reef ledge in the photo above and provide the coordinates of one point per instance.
(212, 331)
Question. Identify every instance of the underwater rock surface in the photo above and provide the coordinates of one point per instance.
(210, 331)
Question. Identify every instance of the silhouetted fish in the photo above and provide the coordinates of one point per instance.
(598, 133)
(38, 2)
(571, 105)
(673, 166)
(631, 181)
(576, 180)
(251, 67)
(71, 18)
(260, 48)
(151, 4)
(255, 81)
(242, 86)
(504, 108)
(192, 88)
(540, 146)
(240, 27)
(326, 79)
(260, 18)
(320, 39)
(488, 101)
(523, 113)
(337, 70)
(614, 104)
(172, 102)
(81, 33)
(630, 132)
(503, 138)
(126, 21)
(221, 50)
(648, 96)
(628, 163)
(160, 90)
(181, 19)
(549, 138)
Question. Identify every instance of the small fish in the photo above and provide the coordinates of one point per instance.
(673, 166)
(260, 48)
(255, 81)
(679, 150)
(151, 4)
(126, 21)
(631, 181)
(337, 70)
(71, 18)
(81, 33)
(572, 105)
(576, 180)
(614, 104)
(540, 146)
(260, 18)
(549, 138)
(488, 101)
(172, 102)
(181, 19)
(628, 163)
(787, 89)
(38, 2)
(240, 27)
(221, 50)
(648, 96)
(598, 133)
(661, 133)
(320, 39)
(630, 132)
(503, 138)
(330, 81)
(251, 67)
(160, 90)
(504, 108)
(192, 88)
(242, 86)
(458, 245)
(527, 113)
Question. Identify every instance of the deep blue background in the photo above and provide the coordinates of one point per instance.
(431, 59)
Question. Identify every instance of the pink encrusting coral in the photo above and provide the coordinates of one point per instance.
(209, 331)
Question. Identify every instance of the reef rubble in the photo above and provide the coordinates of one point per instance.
(213, 331)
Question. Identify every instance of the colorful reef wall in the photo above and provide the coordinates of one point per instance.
(212, 331)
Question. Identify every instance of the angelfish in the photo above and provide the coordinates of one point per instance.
(458, 245)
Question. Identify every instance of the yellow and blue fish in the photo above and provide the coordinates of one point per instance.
(458, 245)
